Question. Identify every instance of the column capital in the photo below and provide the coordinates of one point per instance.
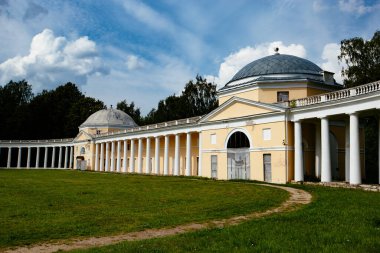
(352, 113)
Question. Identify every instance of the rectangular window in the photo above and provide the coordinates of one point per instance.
(282, 96)
(213, 138)
(97, 131)
(267, 134)
(214, 166)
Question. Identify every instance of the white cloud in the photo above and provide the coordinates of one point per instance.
(54, 60)
(356, 6)
(134, 62)
(235, 61)
(148, 16)
(330, 56)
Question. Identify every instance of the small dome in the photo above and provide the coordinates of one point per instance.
(112, 118)
(279, 66)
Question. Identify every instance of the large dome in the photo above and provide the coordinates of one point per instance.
(279, 66)
(112, 118)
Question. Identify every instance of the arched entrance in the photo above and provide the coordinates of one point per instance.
(238, 164)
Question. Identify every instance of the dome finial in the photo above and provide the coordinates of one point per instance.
(276, 49)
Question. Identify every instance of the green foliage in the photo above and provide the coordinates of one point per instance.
(50, 114)
(362, 58)
(130, 110)
(197, 98)
(42, 205)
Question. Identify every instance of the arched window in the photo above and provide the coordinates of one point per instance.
(238, 140)
(82, 150)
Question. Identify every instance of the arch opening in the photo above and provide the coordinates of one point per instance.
(238, 162)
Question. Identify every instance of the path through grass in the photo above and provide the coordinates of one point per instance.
(338, 220)
(42, 205)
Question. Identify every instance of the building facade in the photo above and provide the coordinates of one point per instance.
(280, 118)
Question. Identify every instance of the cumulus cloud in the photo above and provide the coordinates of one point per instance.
(235, 61)
(54, 60)
(330, 57)
(356, 6)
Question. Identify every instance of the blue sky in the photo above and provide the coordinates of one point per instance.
(143, 51)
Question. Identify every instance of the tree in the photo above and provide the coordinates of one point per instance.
(14, 97)
(362, 58)
(130, 110)
(200, 96)
(197, 98)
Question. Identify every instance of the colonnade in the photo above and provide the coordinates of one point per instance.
(322, 151)
(108, 155)
(65, 156)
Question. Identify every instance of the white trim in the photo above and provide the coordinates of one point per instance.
(237, 88)
(238, 130)
(256, 149)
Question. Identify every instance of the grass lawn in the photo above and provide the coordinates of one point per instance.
(339, 220)
(43, 205)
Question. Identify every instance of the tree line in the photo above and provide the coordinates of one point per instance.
(58, 113)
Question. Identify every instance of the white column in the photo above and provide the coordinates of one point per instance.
(139, 156)
(118, 157)
(46, 157)
(200, 154)
(19, 157)
(347, 153)
(107, 157)
(53, 158)
(71, 157)
(101, 157)
(325, 144)
(166, 155)
(132, 157)
(66, 156)
(60, 157)
(125, 156)
(355, 175)
(97, 157)
(298, 154)
(157, 156)
(147, 155)
(112, 156)
(9, 158)
(188, 154)
(37, 158)
(318, 150)
(176, 155)
(28, 158)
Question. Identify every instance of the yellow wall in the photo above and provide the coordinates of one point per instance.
(255, 134)
(269, 95)
(243, 109)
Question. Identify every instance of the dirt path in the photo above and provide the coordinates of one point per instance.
(297, 198)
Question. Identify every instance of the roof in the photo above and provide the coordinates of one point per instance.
(109, 118)
(277, 64)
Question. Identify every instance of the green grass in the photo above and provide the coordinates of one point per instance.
(338, 220)
(43, 205)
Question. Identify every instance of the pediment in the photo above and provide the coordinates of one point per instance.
(83, 136)
(237, 107)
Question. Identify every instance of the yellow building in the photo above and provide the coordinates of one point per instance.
(280, 118)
